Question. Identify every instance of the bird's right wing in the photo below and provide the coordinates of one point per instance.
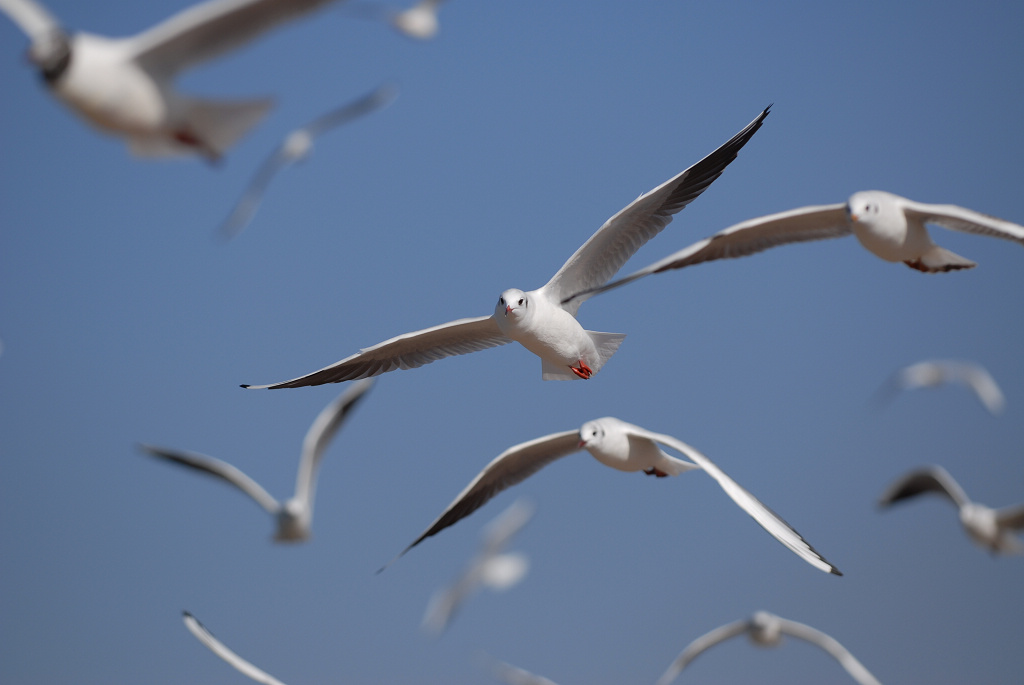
(963, 219)
(245, 209)
(695, 648)
(31, 17)
(220, 469)
(841, 654)
(499, 531)
(1011, 517)
(512, 466)
(221, 650)
(803, 224)
(930, 479)
(977, 378)
(406, 352)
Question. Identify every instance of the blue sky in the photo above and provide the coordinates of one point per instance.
(517, 133)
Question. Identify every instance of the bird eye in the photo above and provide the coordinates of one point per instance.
(501, 300)
(520, 301)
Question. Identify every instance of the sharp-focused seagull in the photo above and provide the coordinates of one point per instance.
(490, 568)
(125, 86)
(935, 372)
(536, 319)
(221, 650)
(766, 630)
(295, 147)
(992, 529)
(419, 21)
(890, 226)
(294, 517)
(624, 447)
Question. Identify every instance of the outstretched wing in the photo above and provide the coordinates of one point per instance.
(847, 660)
(221, 650)
(803, 224)
(621, 236)
(695, 648)
(930, 479)
(963, 219)
(405, 352)
(220, 469)
(31, 17)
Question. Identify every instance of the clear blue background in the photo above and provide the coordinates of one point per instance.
(518, 131)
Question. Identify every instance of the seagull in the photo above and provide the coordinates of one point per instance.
(295, 147)
(125, 86)
(294, 517)
(221, 650)
(513, 675)
(993, 529)
(890, 226)
(766, 630)
(935, 372)
(419, 21)
(624, 447)
(489, 568)
(535, 318)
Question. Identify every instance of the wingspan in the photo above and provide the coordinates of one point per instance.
(963, 219)
(221, 650)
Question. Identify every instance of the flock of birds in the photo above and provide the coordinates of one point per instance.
(124, 86)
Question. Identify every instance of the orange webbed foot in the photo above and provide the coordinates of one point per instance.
(583, 371)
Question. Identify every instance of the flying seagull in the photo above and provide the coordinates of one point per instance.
(890, 226)
(935, 372)
(766, 630)
(295, 147)
(992, 529)
(418, 21)
(491, 568)
(221, 650)
(513, 675)
(294, 517)
(535, 318)
(125, 86)
(624, 447)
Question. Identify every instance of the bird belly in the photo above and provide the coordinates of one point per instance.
(896, 240)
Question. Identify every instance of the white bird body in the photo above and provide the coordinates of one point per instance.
(624, 447)
(419, 21)
(294, 517)
(125, 86)
(538, 319)
(991, 529)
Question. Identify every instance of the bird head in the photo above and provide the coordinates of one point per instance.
(50, 52)
(513, 304)
(865, 206)
(591, 434)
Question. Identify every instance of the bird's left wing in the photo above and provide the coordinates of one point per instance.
(31, 17)
(841, 654)
(1011, 517)
(963, 219)
(621, 236)
(406, 351)
(221, 650)
(210, 28)
(768, 519)
(698, 646)
(512, 466)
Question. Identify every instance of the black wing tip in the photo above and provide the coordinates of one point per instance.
(834, 571)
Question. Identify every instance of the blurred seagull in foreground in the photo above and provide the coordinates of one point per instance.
(536, 319)
(621, 446)
(936, 372)
(295, 516)
(890, 226)
(221, 650)
(295, 147)
(490, 568)
(125, 85)
(992, 529)
(419, 21)
(766, 630)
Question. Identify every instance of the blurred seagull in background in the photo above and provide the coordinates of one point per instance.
(624, 447)
(419, 21)
(512, 675)
(890, 226)
(935, 372)
(125, 85)
(766, 630)
(490, 568)
(295, 147)
(992, 529)
(536, 319)
(294, 518)
(221, 650)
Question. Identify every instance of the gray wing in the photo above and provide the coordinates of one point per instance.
(372, 101)
(695, 648)
(498, 532)
(765, 517)
(220, 469)
(221, 650)
(31, 17)
(512, 466)
(805, 632)
(1011, 517)
(929, 479)
(816, 222)
(977, 378)
(621, 236)
(511, 675)
(209, 29)
(245, 209)
(963, 219)
(405, 352)
(323, 430)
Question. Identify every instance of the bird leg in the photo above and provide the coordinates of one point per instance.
(655, 472)
(583, 371)
(186, 137)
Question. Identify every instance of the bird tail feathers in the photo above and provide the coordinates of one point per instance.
(938, 259)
